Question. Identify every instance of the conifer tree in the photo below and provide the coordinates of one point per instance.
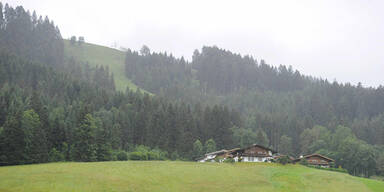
(12, 142)
(84, 148)
(210, 146)
(36, 149)
(198, 149)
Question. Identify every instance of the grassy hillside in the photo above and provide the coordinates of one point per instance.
(97, 55)
(177, 176)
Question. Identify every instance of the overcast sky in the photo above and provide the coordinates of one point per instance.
(333, 39)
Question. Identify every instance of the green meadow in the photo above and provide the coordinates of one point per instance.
(96, 55)
(177, 176)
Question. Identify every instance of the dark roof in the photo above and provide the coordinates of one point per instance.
(322, 156)
(216, 152)
(256, 145)
(199, 158)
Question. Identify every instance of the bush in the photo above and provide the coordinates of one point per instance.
(157, 154)
(143, 153)
(137, 155)
(229, 160)
(303, 161)
(283, 160)
(122, 156)
(175, 156)
(219, 159)
(56, 156)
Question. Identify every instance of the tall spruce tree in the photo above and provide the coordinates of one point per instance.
(84, 148)
(36, 149)
(12, 142)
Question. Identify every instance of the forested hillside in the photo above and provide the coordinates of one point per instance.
(281, 108)
(71, 111)
(55, 107)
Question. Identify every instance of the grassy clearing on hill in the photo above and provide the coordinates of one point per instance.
(97, 55)
(177, 176)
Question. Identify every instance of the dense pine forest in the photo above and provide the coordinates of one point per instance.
(55, 108)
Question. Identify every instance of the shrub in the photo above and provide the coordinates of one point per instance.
(122, 156)
(283, 160)
(137, 155)
(152, 155)
(56, 156)
(219, 159)
(229, 160)
(157, 154)
(303, 161)
(174, 156)
(142, 152)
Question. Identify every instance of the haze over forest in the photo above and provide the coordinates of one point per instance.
(339, 40)
(68, 99)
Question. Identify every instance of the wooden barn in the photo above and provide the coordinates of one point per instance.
(317, 160)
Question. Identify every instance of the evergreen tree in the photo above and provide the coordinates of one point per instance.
(144, 51)
(12, 142)
(84, 148)
(285, 145)
(1, 17)
(36, 149)
(197, 149)
(73, 40)
(210, 146)
(81, 40)
(244, 137)
(261, 138)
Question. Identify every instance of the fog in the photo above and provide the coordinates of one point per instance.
(336, 40)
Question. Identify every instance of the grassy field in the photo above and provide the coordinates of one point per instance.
(177, 176)
(97, 55)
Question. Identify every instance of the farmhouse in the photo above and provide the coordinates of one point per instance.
(253, 153)
(317, 160)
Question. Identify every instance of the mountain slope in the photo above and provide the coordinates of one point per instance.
(97, 55)
(178, 176)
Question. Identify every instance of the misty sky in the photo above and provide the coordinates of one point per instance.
(337, 39)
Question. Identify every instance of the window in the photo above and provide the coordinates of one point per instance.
(251, 158)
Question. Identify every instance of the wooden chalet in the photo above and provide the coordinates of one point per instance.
(253, 153)
(317, 160)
